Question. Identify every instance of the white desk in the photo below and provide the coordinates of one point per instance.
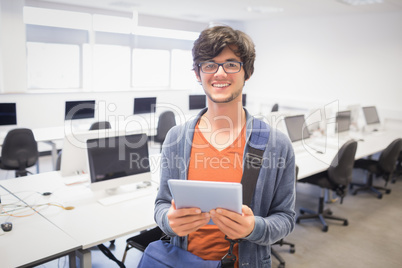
(33, 239)
(310, 162)
(89, 223)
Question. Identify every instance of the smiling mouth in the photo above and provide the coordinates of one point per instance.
(221, 85)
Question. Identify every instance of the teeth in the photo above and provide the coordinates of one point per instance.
(221, 85)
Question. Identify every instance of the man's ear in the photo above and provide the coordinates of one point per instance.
(198, 77)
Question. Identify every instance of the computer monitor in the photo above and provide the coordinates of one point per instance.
(8, 114)
(197, 102)
(343, 121)
(117, 161)
(296, 127)
(371, 115)
(144, 105)
(79, 109)
(74, 160)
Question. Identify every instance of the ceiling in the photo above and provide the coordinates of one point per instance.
(207, 11)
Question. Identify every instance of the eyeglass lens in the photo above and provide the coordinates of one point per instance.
(228, 67)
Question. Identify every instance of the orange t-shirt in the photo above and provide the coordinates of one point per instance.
(209, 164)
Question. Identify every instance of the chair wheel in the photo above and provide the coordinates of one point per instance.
(379, 196)
(297, 220)
(292, 250)
(329, 212)
(301, 211)
(346, 223)
(388, 191)
(325, 229)
(281, 265)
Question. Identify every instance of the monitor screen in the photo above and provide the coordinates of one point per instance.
(371, 115)
(116, 157)
(8, 114)
(244, 97)
(144, 105)
(296, 128)
(343, 120)
(79, 109)
(197, 102)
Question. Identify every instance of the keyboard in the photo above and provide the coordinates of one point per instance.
(118, 198)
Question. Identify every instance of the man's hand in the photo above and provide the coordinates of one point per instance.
(232, 224)
(186, 220)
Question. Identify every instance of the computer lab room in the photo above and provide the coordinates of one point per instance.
(81, 81)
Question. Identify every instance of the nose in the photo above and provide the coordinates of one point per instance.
(220, 71)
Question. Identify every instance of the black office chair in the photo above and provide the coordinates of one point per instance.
(336, 178)
(100, 125)
(19, 151)
(166, 121)
(398, 169)
(283, 242)
(383, 167)
(275, 107)
(142, 240)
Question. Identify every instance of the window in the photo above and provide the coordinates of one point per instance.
(53, 65)
(151, 68)
(98, 52)
(110, 67)
(183, 76)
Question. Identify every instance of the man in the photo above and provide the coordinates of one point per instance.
(212, 147)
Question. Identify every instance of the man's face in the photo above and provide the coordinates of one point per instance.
(221, 87)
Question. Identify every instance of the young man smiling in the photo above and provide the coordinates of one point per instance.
(209, 148)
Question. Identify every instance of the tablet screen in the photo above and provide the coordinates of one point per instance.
(206, 195)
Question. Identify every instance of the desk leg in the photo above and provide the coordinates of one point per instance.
(84, 255)
(54, 153)
(72, 260)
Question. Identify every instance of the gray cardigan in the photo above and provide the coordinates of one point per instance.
(273, 201)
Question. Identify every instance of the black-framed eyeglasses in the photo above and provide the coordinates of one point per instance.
(230, 67)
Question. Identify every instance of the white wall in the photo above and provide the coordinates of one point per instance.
(353, 59)
(47, 110)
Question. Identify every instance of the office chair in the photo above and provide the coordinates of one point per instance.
(275, 107)
(283, 242)
(19, 151)
(100, 125)
(398, 169)
(336, 178)
(383, 167)
(142, 240)
(166, 121)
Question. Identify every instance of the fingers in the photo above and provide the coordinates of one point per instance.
(186, 220)
(232, 224)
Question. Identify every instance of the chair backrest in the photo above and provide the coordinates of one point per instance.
(341, 169)
(389, 155)
(166, 121)
(275, 108)
(19, 150)
(100, 125)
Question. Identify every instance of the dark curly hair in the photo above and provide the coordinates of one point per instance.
(213, 40)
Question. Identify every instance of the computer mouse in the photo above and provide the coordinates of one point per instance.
(7, 226)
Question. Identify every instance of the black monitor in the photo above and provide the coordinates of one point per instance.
(197, 102)
(244, 97)
(119, 160)
(296, 127)
(79, 109)
(144, 105)
(343, 121)
(371, 115)
(8, 114)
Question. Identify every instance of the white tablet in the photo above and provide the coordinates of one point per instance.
(207, 195)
